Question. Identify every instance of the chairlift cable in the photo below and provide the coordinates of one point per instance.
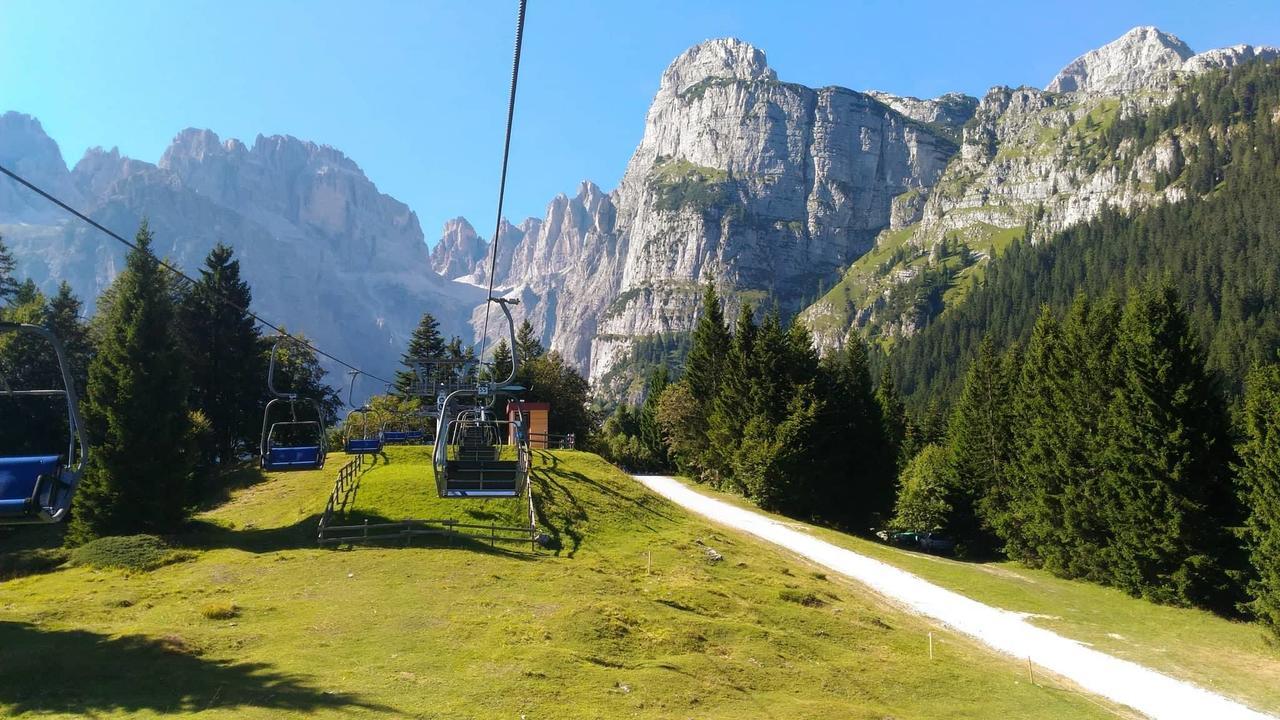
(51, 198)
(502, 183)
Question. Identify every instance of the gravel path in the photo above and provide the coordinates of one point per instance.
(1147, 691)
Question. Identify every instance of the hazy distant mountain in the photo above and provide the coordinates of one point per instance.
(325, 252)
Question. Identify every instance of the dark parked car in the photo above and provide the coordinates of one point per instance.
(930, 542)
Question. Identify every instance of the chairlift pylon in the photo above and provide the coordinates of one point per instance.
(288, 454)
(39, 488)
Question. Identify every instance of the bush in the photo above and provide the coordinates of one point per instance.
(129, 552)
(220, 610)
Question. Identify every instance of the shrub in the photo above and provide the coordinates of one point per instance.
(129, 552)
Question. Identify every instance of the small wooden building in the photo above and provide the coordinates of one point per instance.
(536, 415)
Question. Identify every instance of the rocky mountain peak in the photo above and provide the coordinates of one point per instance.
(26, 149)
(1229, 57)
(726, 58)
(1133, 61)
(459, 249)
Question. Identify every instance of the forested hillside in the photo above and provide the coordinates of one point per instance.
(1219, 247)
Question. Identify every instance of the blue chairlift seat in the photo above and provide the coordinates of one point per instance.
(286, 458)
(29, 486)
(363, 446)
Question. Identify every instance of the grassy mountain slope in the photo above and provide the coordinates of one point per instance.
(468, 631)
(1236, 659)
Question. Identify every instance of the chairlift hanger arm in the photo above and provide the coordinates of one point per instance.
(78, 442)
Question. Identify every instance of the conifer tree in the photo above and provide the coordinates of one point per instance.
(1259, 479)
(65, 321)
(893, 417)
(1167, 494)
(8, 268)
(425, 344)
(648, 431)
(860, 484)
(136, 411)
(501, 359)
(703, 374)
(734, 405)
(528, 346)
(221, 340)
(1031, 520)
(980, 448)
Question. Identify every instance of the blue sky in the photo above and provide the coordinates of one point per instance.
(415, 92)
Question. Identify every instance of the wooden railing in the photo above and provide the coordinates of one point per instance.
(343, 495)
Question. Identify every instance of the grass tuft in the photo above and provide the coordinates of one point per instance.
(220, 610)
(801, 597)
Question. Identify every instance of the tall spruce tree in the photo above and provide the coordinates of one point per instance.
(425, 344)
(980, 447)
(8, 270)
(1030, 525)
(65, 311)
(893, 417)
(735, 402)
(703, 374)
(1259, 479)
(860, 483)
(136, 411)
(528, 346)
(221, 341)
(1167, 492)
(649, 433)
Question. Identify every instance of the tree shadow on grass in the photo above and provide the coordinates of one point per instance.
(83, 673)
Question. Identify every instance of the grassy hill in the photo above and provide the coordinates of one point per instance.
(1237, 659)
(468, 631)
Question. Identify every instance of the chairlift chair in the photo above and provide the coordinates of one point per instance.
(469, 459)
(366, 443)
(280, 448)
(39, 488)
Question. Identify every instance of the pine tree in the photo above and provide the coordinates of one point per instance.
(893, 417)
(528, 346)
(980, 448)
(734, 404)
(65, 321)
(1259, 479)
(136, 411)
(1030, 524)
(8, 268)
(425, 344)
(648, 431)
(501, 359)
(703, 374)
(859, 483)
(1167, 495)
(226, 368)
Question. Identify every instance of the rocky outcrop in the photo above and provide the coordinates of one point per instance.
(947, 112)
(323, 250)
(1226, 58)
(28, 151)
(1138, 59)
(458, 250)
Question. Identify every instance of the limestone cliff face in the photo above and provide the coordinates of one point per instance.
(770, 188)
(324, 251)
(459, 249)
(1027, 156)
